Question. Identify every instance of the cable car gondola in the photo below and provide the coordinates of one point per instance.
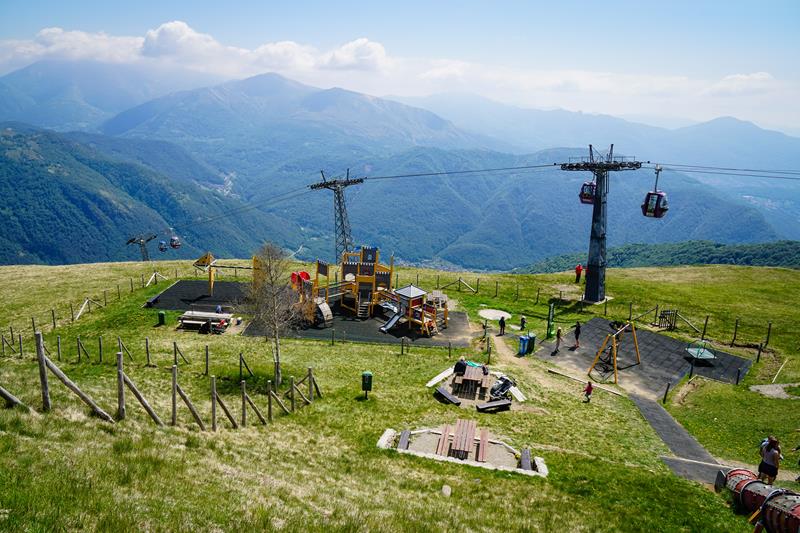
(175, 242)
(162, 246)
(655, 204)
(587, 192)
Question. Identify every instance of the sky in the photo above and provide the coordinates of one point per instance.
(662, 62)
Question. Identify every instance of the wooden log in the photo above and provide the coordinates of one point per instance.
(132, 387)
(41, 357)
(174, 395)
(269, 400)
(256, 410)
(280, 403)
(213, 403)
(192, 410)
(10, 399)
(227, 412)
(74, 388)
(243, 385)
(120, 388)
(303, 396)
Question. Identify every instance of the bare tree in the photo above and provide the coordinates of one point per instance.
(271, 300)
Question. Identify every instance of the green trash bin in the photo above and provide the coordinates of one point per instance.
(162, 318)
(366, 383)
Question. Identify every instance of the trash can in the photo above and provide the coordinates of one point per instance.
(366, 383)
(162, 318)
(523, 345)
(531, 343)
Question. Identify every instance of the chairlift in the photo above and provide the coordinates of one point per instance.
(162, 246)
(655, 203)
(587, 192)
(175, 242)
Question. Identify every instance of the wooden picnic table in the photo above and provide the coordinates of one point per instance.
(472, 377)
(463, 438)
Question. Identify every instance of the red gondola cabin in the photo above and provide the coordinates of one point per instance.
(655, 204)
(587, 193)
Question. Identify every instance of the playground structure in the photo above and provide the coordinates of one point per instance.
(606, 358)
(208, 263)
(366, 290)
(772, 509)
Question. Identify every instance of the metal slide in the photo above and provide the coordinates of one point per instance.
(391, 322)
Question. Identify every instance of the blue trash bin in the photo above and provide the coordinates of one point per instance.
(523, 345)
(531, 342)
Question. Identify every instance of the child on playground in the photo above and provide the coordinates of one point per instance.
(577, 334)
(770, 460)
(587, 392)
(559, 335)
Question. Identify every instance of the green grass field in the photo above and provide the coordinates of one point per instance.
(319, 468)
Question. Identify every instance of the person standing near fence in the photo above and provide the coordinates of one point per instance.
(502, 325)
(578, 271)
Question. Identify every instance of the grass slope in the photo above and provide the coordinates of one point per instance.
(319, 468)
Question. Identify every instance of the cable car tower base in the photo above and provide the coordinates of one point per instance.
(599, 166)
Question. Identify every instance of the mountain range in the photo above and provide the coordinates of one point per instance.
(240, 143)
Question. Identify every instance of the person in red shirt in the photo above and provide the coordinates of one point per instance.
(578, 271)
(587, 392)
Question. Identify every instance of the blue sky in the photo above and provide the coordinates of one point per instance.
(698, 59)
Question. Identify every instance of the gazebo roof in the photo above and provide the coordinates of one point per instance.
(410, 292)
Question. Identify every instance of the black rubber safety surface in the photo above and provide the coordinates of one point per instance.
(186, 295)
(348, 328)
(664, 359)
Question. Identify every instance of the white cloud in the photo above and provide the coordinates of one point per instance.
(361, 54)
(740, 84)
(365, 65)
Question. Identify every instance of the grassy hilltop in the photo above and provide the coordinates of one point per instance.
(320, 469)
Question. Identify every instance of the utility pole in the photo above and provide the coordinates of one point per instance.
(599, 167)
(142, 241)
(344, 239)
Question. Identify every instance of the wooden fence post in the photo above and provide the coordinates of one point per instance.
(437, 281)
(78, 343)
(131, 284)
(537, 294)
(174, 395)
(310, 384)
(630, 311)
(655, 316)
(477, 285)
(143, 281)
(758, 355)
(33, 326)
(71, 313)
(100, 347)
(119, 293)
(664, 400)
(213, 403)
(517, 296)
(496, 285)
(735, 331)
(769, 331)
(243, 384)
(206, 371)
(105, 298)
(269, 400)
(417, 284)
(147, 350)
(42, 372)
(20, 344)
(53, 316)
(291, 390)
(120, 388)
(58, 347)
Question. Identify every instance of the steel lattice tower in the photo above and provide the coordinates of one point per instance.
(344, 239)
(142, 241)
(600, 167)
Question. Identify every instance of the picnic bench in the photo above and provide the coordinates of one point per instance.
(463, 439)
(443, 393)
(199, 319)
(494, 406)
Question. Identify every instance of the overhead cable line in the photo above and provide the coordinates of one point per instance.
(454, 172)
(740, 174)
(771, 171)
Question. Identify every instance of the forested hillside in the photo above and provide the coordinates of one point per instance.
(776, 254)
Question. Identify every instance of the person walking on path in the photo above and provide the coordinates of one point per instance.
(559, 335)
(577, 334)
(522, 323)
(770, 460)
(587, 392)
(578, 271)
(502, 326)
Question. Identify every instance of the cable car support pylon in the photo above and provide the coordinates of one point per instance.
(344, 239)
(599, 167)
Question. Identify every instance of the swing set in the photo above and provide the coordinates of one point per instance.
(606, 358)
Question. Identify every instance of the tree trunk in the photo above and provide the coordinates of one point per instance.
(277, 358)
